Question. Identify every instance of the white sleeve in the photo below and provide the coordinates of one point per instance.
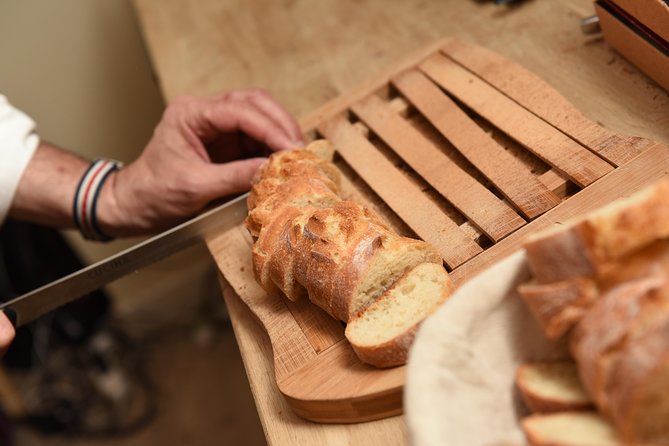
(18, 142)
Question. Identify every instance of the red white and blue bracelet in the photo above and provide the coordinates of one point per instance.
(86, 198)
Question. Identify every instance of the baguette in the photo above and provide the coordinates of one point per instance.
(293, 178)
(274, 252)
(344, 258)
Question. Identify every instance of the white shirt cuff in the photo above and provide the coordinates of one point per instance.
(18, 142)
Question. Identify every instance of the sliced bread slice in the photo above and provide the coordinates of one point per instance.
(382, 334)
(552, 387)
(559, 305)
(274, 252)
(569, 429)
(580, 247)
(347, 258)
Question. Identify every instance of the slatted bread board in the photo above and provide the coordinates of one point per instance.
(457, 146)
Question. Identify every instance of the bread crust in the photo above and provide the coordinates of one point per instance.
(542, 403)
(621, 342)
(639, 376)
(602, 331)
(395, 351)
(582, 247)
(270, 197)
(307, 240)
(559, 305)
(274, 252)
(334, 252)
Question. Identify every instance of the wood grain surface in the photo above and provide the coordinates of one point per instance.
(308, 53)
(508, 175)
(423, 216)
(385, 142)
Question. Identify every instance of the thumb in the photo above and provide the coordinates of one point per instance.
(231, 178)
(7, 333)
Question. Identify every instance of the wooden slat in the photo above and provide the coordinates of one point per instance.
(650, 166)
(493, 216)
(508, 174)
(533, 93)
(578, 163)
(554, 182)
(406, 199)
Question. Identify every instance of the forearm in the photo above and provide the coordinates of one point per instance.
(46, 191)
(185, 165)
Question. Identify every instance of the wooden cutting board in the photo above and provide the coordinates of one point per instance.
(457, 146)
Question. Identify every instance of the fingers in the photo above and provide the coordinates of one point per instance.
(244, 116)
(253, 112)
(7, 333)
(220, 180)
(275, 111)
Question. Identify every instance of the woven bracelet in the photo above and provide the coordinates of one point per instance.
(86, 198)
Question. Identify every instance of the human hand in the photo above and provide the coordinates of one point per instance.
(189, 160)
(7, 333)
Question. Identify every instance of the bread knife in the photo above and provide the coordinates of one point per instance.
(42, 300)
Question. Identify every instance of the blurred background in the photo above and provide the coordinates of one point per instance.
(164, 364)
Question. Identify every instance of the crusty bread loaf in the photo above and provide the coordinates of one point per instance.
(604, 329)
(608, 276)
(622, 347)
(581, 247)
(639, 386)
(355, 258)
(294, 178)
(308, 241)
(559, 305)
(274, 251)
(382, 333)
(570, 429)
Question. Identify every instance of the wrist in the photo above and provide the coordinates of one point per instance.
(90, 198)
(118, 210)
(109, 211)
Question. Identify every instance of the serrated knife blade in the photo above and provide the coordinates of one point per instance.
(30, 306)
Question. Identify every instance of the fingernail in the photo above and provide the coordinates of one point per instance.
(298, 144)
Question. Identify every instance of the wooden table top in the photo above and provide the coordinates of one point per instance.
(307, 53)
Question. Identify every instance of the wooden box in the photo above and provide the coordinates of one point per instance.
(639, 30)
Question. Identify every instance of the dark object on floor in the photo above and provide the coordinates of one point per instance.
(84, 376)
(31, 256)
(99, 388)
